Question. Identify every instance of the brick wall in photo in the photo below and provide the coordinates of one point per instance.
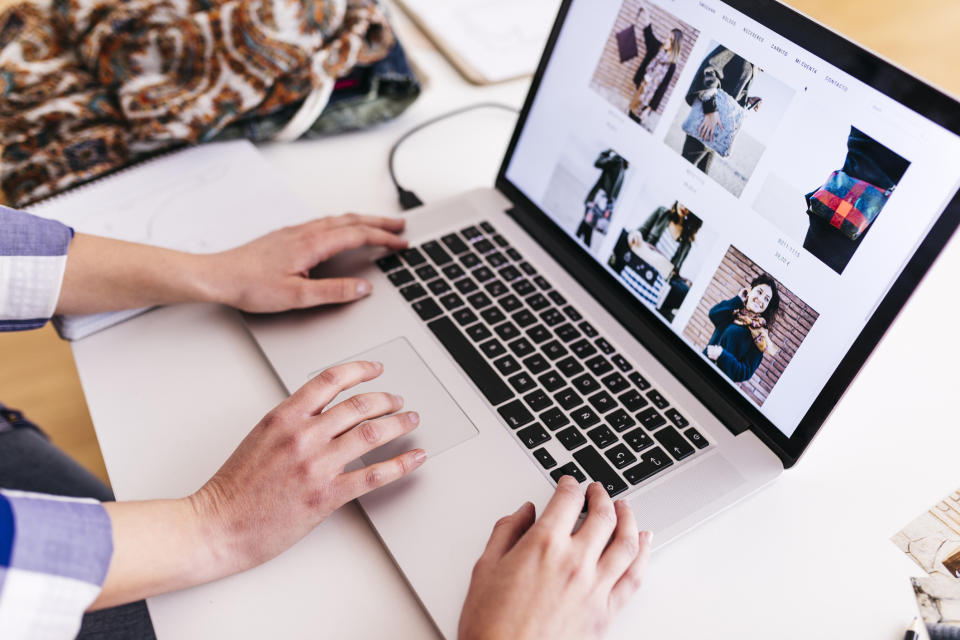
(613, 80)
(790, 327)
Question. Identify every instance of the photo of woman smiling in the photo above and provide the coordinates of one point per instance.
(742, 334)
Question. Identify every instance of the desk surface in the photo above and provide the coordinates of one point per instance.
(807, 557)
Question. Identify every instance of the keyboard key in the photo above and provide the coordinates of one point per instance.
(515, 414)
(426, 272)
(509, 303)
(500, 241)
(544, 458)
(493, 348)
(538, 333)
(538, 400)
(639, 381)
(599, 365)
(554, 419)
(571, 438)
(533, 436)
(556, 298)
(507, 365)
(552, 317)
(632, 400)
(551, 381)
(620, 456)
(542, 283)
(602, 401)
(524, 318)
(674, 416)
(438, 287)
(427, 309)
(572, 313)
(454, 243)
(585, 384)
(479, 300)
(507, 331)
(567, 398)
(604, 346)
(464, 316)
(412, 256)
(478, 332)
(537, 302)
(658, 400)
(521, 347)
(620, 420)
(389, 263)
(437, 253)
(470, 260)
(412, 292)
(598, 469)
(567, 332)
(522, 382)
(453, 271)
(602, 436)
(650, 463)
(487, 380)
(528, 268)
(536, 364)
(569, 469)
(496, 288)
(486, 226)
(471, 233)
(584, 417)
(465, 285)
(583, 348)
(554, 349)
(483, 246)
(482, 274)
(509, 273)
(514, 254)
(451, 301)
(651, 419)
(588, 329)
(615, 382)
(492, 315)
(637, 439)
(522, 287)
(400, 277)
(621, 363)
(675, 444)
(570, 366)
(496, 259)
(694, 436)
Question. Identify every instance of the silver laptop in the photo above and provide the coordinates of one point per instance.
(707, 217)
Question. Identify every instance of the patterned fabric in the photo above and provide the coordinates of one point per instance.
(757, 325)
(731, 117)
(87, 86)
(848, 204)
(54, 556)
(654, 76)
(33, 255)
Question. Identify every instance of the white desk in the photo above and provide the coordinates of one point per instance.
(172, 392)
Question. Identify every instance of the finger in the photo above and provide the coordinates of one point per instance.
(599, 524)
(631, 579)
(320, 390)
(564, 507)
(382, 222)
(623, 548)
(345, 415)
(345, 238)
(508, 530)
(313, 293)
(354, 484)
(367, 436)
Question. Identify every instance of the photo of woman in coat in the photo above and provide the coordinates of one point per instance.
(657, 68)
(602, 197)
(742, 324)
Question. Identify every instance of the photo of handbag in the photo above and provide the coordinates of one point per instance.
(847, 204)
(627, 44)
(603, 218)
(731, 117)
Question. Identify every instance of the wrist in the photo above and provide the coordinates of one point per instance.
(208, 280)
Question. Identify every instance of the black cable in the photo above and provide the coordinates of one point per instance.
(408, 199)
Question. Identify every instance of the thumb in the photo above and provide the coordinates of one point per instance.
(332, 291)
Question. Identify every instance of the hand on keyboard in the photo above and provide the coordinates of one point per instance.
(537, 580)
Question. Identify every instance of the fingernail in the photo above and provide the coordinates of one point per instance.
(646, 536)
(397, 399)
(377, 365)
(363, 288)
(413, 417)
(419, 456)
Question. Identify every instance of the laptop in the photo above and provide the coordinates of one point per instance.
(692, 247)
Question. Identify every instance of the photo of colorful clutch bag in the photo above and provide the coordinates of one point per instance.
(731, 117)
(847, 204)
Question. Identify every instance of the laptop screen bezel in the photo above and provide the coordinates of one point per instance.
(732, 408)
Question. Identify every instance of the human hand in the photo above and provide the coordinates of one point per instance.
(710, 126)
(743, 293)
(271, 273)
(288, 475)
(753, 102)
(714, 351)
(536, 579)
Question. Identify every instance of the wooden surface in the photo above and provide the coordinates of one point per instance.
(37, 373)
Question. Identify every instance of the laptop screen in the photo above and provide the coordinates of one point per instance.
(758, 201)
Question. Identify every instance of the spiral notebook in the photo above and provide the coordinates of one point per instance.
(201, 199)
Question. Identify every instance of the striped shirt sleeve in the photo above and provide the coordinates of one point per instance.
(54, 556)
(33, 255)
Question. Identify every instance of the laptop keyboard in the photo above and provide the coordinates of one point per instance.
(579, 406)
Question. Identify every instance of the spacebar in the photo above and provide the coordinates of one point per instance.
(470, 360)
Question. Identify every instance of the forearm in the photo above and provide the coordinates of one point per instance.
(107, 275)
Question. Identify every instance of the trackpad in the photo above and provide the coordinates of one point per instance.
(443, 424)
